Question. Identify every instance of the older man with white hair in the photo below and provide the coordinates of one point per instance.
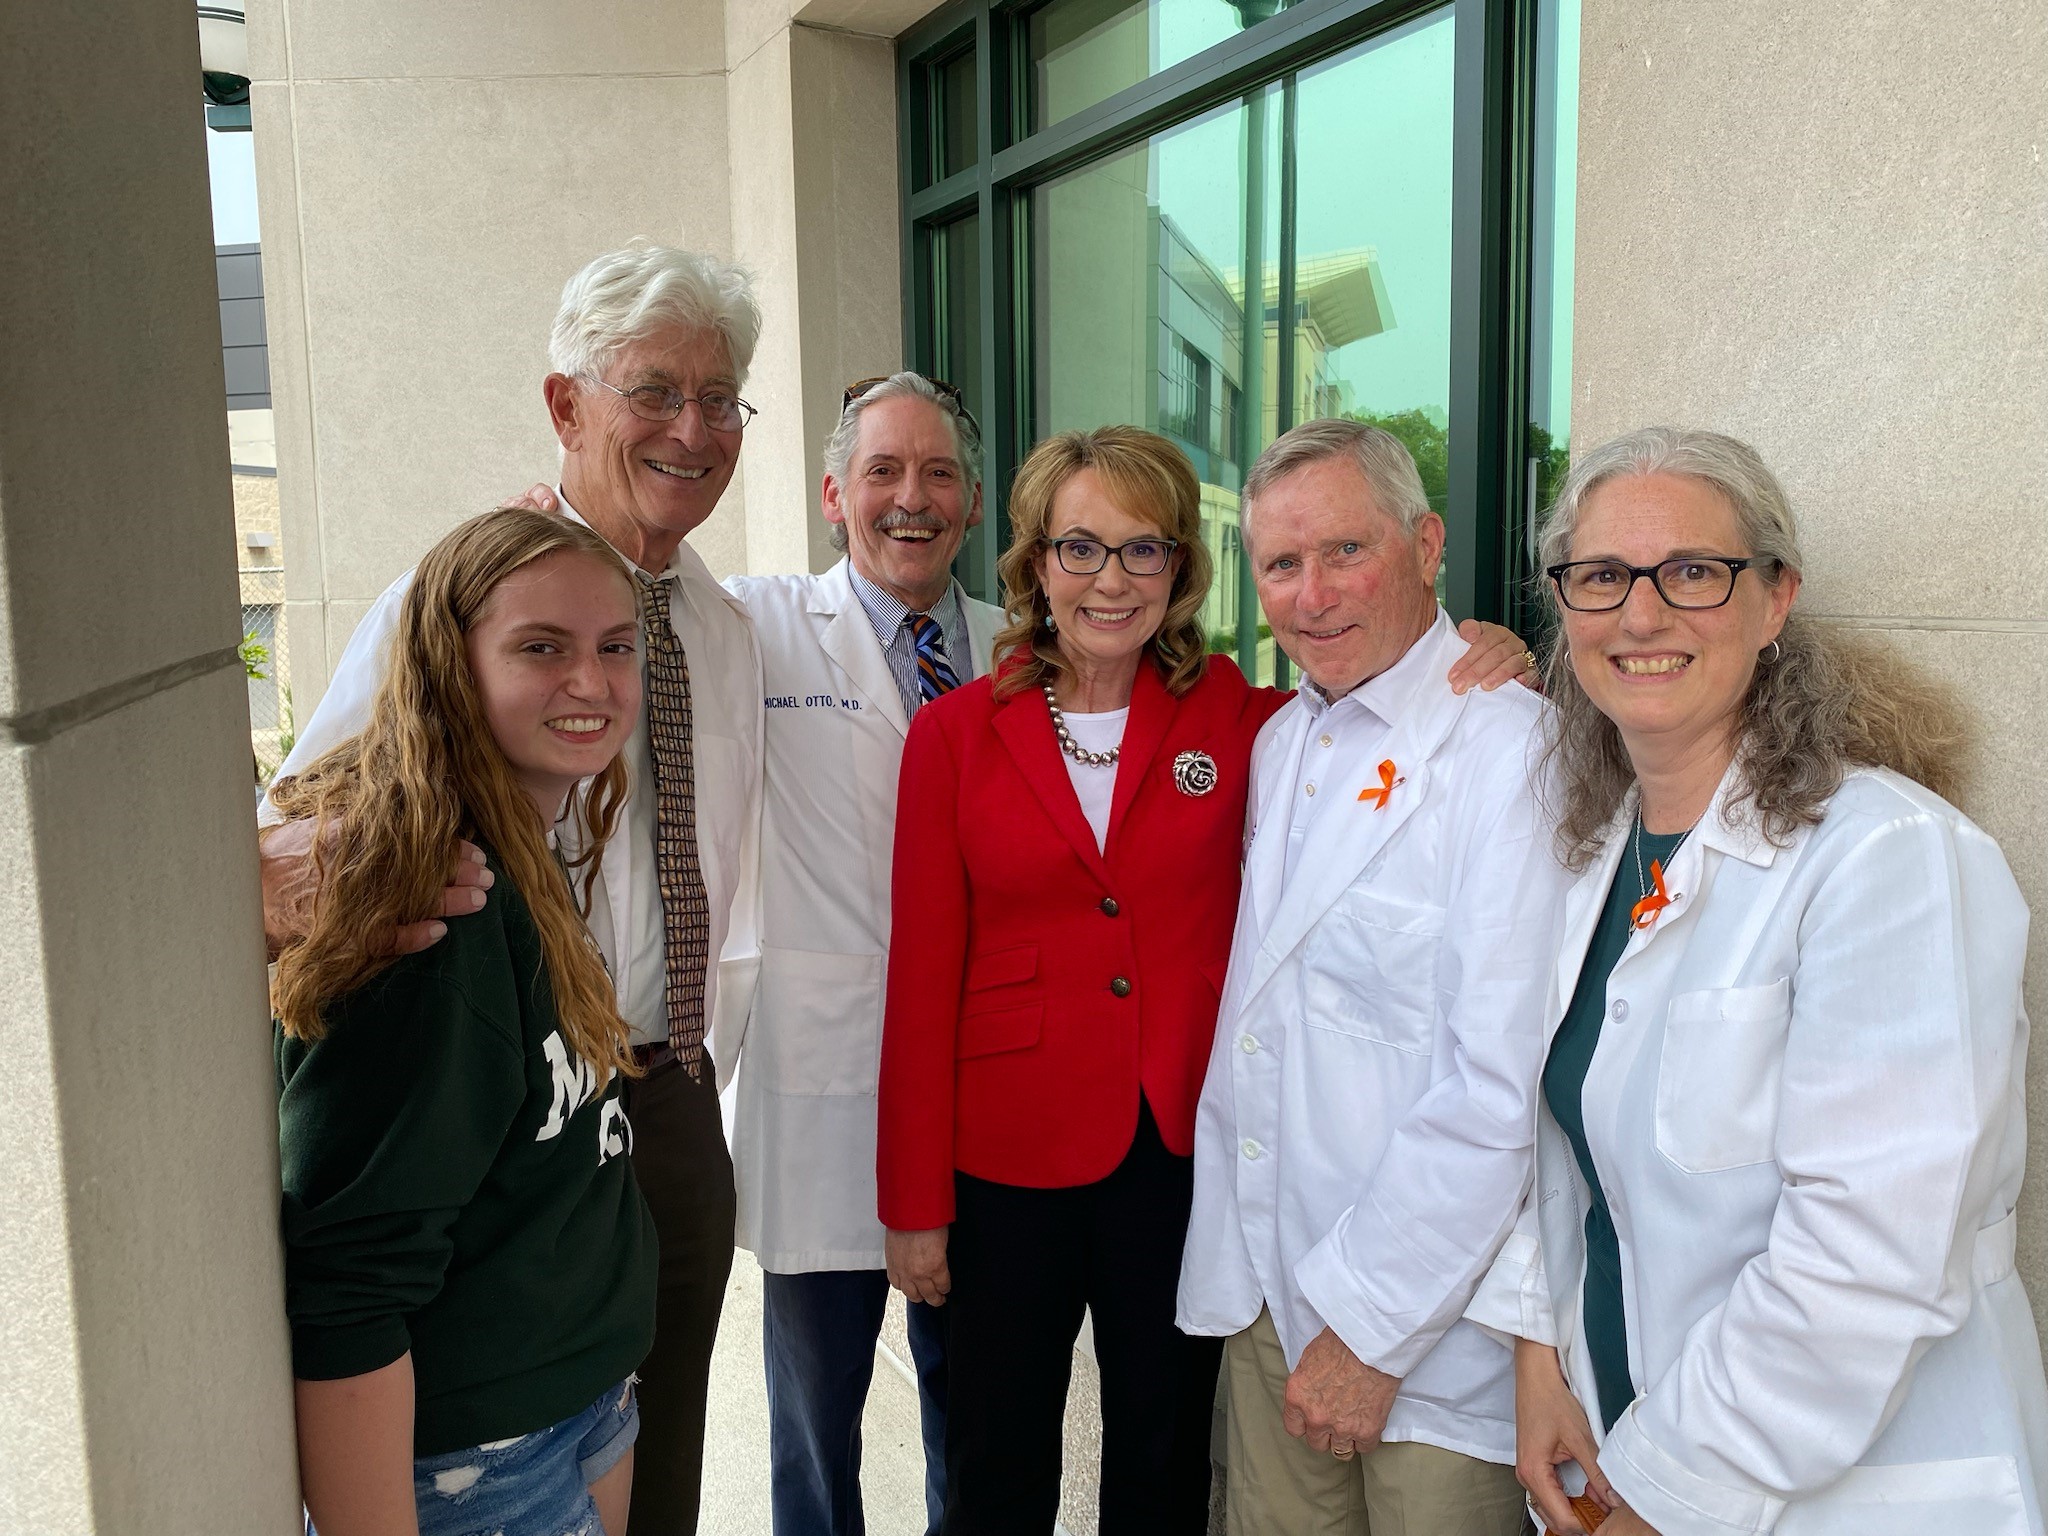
(850, 656)
(1365, 1127)
(648, 354)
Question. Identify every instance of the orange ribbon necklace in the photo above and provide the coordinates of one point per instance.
(1655, 898)
(1388, 781)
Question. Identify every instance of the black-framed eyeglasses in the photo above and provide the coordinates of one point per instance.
(1138, 557)
(950, 393)
(664, 402)
(1688, 581)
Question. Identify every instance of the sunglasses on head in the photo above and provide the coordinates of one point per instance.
(950, 393)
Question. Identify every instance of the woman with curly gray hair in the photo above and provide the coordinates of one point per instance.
(1770, 1245)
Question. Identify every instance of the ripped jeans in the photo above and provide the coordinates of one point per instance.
(535, 1485)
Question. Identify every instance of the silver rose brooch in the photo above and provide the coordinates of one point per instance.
(1194, 773)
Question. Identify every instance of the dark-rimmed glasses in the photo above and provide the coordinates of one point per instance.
(664, 402)
(1687, 581)
(950, 393)
(1138, 557)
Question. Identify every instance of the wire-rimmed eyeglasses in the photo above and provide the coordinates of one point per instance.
(1138, 557)
(664, 402)
(1687, 581)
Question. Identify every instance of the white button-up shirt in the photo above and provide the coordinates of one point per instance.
(1364, 1134)
(626, 914)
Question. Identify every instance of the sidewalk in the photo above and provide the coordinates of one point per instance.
(892, 1474)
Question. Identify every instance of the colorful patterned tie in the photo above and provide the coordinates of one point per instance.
(935, 673)
(685, 908)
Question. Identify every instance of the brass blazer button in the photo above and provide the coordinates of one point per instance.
(1120, 987)
(1109, 906)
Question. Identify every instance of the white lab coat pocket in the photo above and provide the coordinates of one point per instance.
(1370, 971)
(1977, 1495)
(817, 1023)
(1717, 1084)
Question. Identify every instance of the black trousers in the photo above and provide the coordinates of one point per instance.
(1024, 1264)
(684, 1169)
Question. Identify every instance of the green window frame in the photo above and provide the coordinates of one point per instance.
(1497, 465)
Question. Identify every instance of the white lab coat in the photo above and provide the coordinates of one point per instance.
(803, 1112)
(725, 713)
(1362, 1144)
(1807, 1112)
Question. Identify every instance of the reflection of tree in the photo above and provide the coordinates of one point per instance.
(1427, 443)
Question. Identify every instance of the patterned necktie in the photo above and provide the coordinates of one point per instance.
(935, 673)
(685, 909)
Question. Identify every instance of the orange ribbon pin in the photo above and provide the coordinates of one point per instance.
(1644, 912)
(1387, 784)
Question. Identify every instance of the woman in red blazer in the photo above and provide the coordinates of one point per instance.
(1068, 842)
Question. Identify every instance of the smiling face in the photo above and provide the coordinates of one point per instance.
(906, 504)
(1672, 680)
(644, 484)
(555, 655)
(1104, 621)
(1346, 590)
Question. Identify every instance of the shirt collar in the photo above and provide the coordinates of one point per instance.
(886, 611)
(1391, 693)
(676, 562)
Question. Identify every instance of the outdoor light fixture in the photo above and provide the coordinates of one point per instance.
(224, 64)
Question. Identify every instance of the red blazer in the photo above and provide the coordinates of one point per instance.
(1035, 984)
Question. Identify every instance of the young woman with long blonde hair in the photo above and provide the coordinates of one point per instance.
(470, 1266)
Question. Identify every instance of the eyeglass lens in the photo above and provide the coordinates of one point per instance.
(1599, 585)
(1140, 557)
(722, 412)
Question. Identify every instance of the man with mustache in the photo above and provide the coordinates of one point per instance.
(849, 657)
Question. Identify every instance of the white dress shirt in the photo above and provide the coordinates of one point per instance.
(626, 913)
(1363, 1140)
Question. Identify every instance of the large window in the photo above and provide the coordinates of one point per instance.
(1218, 218)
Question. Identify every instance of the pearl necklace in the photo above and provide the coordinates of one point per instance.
(1073, 748)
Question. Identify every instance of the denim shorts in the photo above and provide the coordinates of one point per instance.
(535, 1485)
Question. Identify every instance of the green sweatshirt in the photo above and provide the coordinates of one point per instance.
(456, 1186)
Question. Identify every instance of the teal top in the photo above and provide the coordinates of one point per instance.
(1602, 1321)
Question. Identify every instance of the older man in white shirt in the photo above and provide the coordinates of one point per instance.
(850, 656)
(1364, 1136)
(649, 351)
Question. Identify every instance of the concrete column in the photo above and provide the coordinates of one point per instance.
(1824, 228)
(144, 1379)
(816, 216)
(429, 176)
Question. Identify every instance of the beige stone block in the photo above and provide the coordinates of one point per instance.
(721, 542)
(1824, 227)
(876, 18)
(267, 51)
(2004, 679)
(815, 214)
(107, 274)
(284, 319)
(308, 666)
(134, 974)
(517, 39)
(438, 223)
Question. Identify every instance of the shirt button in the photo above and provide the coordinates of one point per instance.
(1311, 789)
(1251, 1149)
(1109, 906)
(1326, 740)
(1620, 1009)
(1249, 1046)
(1121, 987)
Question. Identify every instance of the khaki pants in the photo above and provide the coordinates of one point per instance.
(1277, 1486)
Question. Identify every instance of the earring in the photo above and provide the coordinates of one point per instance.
(1049, 623)
(1775, 650)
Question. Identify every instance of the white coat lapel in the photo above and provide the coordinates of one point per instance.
(983, 620)
(849, 639)
(1364, 819)
(1582, 907)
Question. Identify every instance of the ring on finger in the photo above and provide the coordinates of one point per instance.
(1529, 660)
(1343, 1450)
